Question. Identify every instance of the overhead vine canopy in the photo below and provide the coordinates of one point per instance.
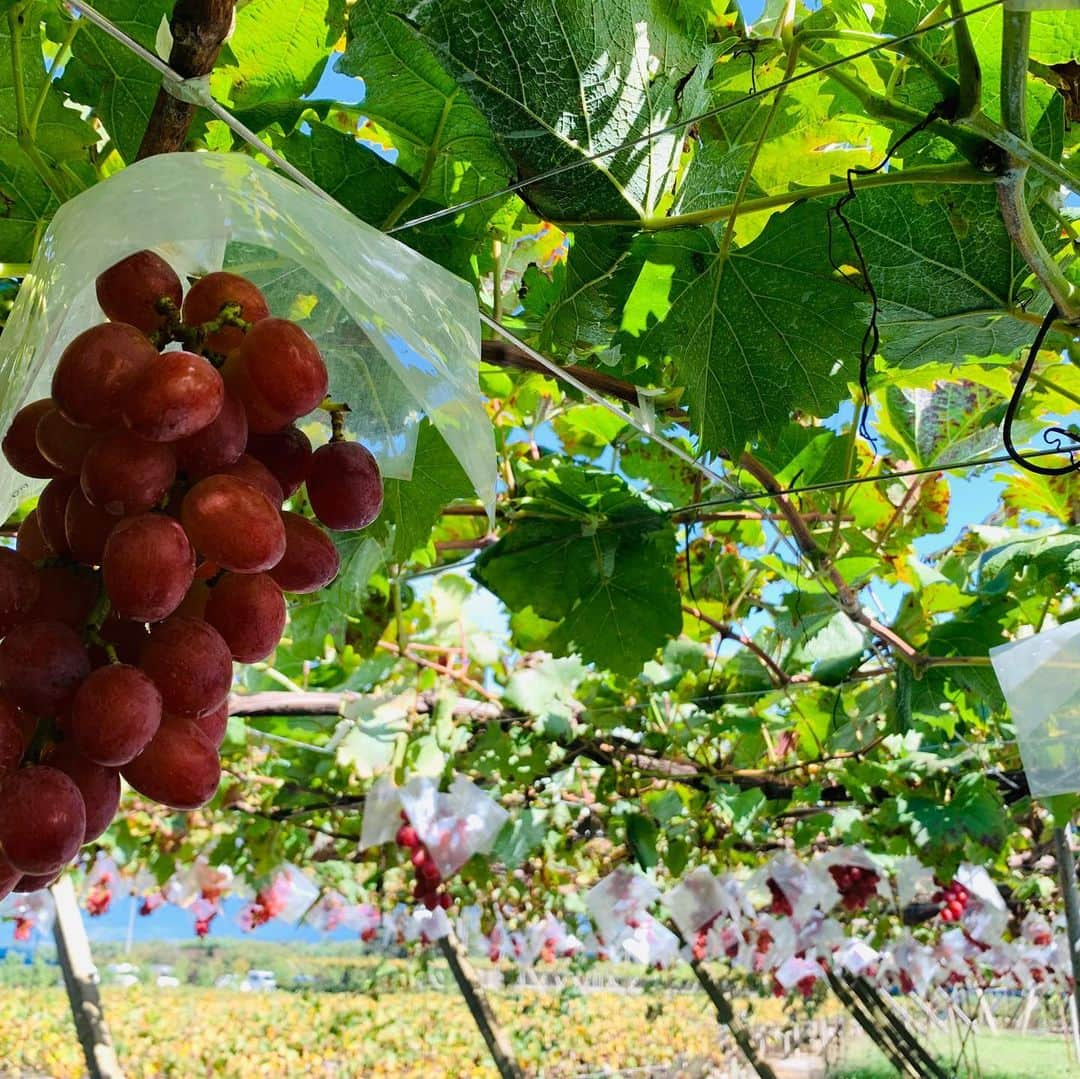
(813, 252)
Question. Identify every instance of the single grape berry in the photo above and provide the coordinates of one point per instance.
(41, 666)
(96, 371)
(114, 714)
(63, 443)
(248, 610)
(233, 524)
(20, 443)
(87, 528)
(213, 725)
(179, 768)
(252, 471)
(9, 878)
(209, 294)
(344, 485)
(29, 541)
(189, 663)
(66, 594)
(42, 819)
(51, 507)
(310, 562)
(286, 453)
(217, 445)
(174, 397)
(12, 739)
(19, 587)
(131, 291)
(124, 474)
(148, 566)
(280, 371)
(99, 785)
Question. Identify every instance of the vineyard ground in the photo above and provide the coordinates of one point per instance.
(191, 1032)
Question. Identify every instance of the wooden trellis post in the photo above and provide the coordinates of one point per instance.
(497, 1042)
(77, 966)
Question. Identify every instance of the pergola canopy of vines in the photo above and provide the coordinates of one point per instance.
(647, 657)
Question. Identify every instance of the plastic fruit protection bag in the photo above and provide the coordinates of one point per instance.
(1040, 677)
(400, 335)
(620, 898)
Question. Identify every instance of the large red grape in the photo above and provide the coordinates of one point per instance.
(41, 666)
(51, 507)
(20, 442)
(129, 290)
(9, 878)
(179, 768)
(19, 588)
(233, 524)
(29, 541)
(311, 561)
(280, 369)
(114, 714)
(189, 663)
(63, 443)
(286, 453)
(125, 474)
(96, 371)
(213, 724)
(176, 396)
(36, 882)
(12, 738)
(148, 566)
(248, 610)
(217, 445)
(99, 786)
(344, 485)
(87, 528)
(209, 294)
(42, 819)
(65, 594)
(253, 471)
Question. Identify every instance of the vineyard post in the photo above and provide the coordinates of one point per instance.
(497, 1042)
(877, 1034)
(1067, 873)
(76, 963)
(726, 1014)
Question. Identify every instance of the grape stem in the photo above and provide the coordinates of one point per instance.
(338, 411)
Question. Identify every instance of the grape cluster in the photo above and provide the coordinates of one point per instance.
(159, 551)
(856, 885)
(780, 905)
(953, 899)
(428, 878)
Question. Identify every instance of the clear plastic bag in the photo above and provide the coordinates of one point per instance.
(399, 334)
(1040, 677)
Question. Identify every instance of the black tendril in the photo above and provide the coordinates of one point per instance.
(1055, 437)
(872, 336)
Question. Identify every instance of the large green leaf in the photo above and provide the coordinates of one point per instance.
(25, 205)
(110, 78)
(561, 80)
(441, 138)
(771, 330)
(277, 51)
(593, 558)
(945, 272)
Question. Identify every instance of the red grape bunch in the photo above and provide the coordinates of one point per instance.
(428, 877)
(953, 899)
(856, 884)
(780, 905)
(159, 552)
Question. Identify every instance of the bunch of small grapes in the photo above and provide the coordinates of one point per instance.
(159, 552)
(780, 904)
(855, 884)
(953, 899)
(428, 877)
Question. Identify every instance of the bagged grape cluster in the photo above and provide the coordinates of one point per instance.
(159, 552)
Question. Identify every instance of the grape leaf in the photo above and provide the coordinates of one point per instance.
(277, 51)
(769, 331)
(596, 560)
(411, 507)
(25, 202)
(441, 138)
(119, 86)
(560, 81)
